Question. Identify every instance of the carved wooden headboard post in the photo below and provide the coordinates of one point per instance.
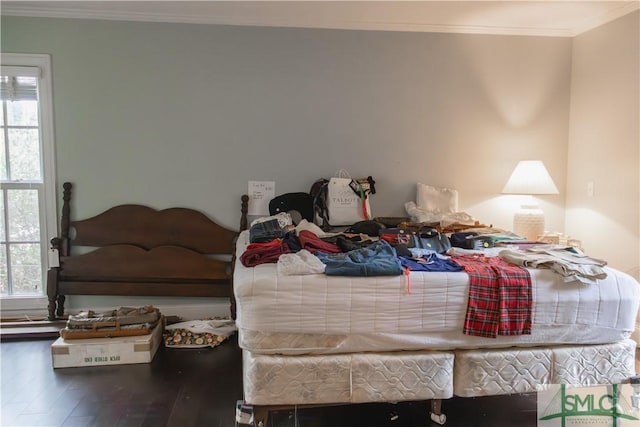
(65, 220)
(243, 210)
(63, 245)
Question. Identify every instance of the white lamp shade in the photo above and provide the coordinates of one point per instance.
(530, 177)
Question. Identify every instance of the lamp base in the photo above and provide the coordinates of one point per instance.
(528, 222)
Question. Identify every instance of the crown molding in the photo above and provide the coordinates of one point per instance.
(52, 11)
(55, 12)
(611, 15)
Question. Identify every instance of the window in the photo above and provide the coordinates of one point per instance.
(27, 178)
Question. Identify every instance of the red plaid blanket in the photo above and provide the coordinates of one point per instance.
(500, 297)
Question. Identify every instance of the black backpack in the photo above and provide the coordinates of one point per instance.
(299, 205)
(318, 193)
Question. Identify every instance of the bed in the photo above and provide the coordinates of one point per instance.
(135, 250)
(328, 340)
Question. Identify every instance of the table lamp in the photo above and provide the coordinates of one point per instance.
(529, 177)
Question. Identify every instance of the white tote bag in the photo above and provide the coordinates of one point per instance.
(344, 205)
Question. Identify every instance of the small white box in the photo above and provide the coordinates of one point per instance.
(106, 351)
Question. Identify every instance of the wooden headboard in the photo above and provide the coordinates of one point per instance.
(135, 250)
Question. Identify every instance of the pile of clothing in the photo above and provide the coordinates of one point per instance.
(358, 251)
(198, 333)
(500, 291)
(307, 249)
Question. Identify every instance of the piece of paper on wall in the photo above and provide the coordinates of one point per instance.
(260, 194)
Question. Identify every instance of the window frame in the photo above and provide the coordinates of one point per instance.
(48, 208)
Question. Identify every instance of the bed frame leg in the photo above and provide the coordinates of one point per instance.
(635, 396)
(52, 291)
(60, 306)
(249, 415)
(436, 414)
(244, 414)
(260, 416)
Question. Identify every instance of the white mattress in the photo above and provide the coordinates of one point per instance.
(346, 378)
(330, 314)
(491, 372)
(398, 376)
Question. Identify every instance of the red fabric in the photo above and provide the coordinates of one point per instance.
(311, 242)
(264, 245)
(500, 297)
(262, 253)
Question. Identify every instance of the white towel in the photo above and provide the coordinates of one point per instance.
(302, 262)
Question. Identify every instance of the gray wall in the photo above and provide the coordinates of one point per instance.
(174, 114)
(184, 115)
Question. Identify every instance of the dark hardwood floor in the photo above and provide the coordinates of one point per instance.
(180, 387)
(189, 387)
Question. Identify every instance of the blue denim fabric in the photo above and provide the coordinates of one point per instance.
(266, 231)
(377, 259)
(430, 262)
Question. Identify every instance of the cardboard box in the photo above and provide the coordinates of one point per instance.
(106, 351)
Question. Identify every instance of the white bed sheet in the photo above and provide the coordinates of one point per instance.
(379, 313)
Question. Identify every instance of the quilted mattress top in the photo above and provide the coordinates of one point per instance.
(436, 304)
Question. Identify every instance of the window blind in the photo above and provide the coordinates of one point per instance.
(19, 83)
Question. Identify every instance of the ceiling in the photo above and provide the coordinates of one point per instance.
(536, 18)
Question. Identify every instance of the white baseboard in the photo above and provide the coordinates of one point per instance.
(196, 311)
(208, 308)
(25, 314)
(30, 307)
(184, 311)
